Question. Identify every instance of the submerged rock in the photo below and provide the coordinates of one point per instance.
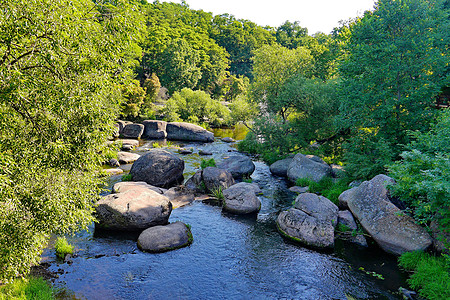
(241, 199)
(165, 238)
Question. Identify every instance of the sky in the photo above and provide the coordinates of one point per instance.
(316, 15)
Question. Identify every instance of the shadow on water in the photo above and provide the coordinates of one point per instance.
(232, 257)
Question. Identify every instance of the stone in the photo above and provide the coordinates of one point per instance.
(165, 238)
(179, 196)
(115, 171)
(228, 140)
(337, 171)
(215, 178)
(114, 162)
(440, 236)
(133, 131)
(185, 151)
(241, 199)
(280, 167)
(194, 182)
(204, 152)
(394, 231)
(159, 168)
(181, 131)
(239, 166)
(154, 129)
(299, 189)
(253, 186)
(127, 148)
(133, 210)
(127, 157)
(121, 124)
(128, 142)
(345, 218)
(317, 159)
(318, 207)
(124, 186)
(303, 167)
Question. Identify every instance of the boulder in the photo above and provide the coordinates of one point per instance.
(114, 162)
(129, 143)
(253, 186)
(115, 171)
(241, 199)
(179, 196)
(159, 168)
(238, 166)
(317, 207)
(194, 183)
(280, 167)
(165, 238)
(304, 167)
(124, 186)
(121, 124)
(204, 152)
(299, 189)
(185, 151)
(154, 129)
(133, 131)
(228, 140)
(127, 157)
(316, 159)
(345, 218)
(188, 132)
(394, 231)
(215, 178)
(133, 210)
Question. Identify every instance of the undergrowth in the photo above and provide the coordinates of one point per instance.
(62, 247)
(207, 163)
(325, 187)
(28, 288)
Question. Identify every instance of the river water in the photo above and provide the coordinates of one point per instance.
(232, 257)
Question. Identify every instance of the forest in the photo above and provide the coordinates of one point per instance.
(372, 96)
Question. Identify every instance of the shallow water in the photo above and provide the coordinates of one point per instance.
(232, 257)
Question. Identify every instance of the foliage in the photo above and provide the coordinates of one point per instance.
(234, 86)
(217, 193)
(242, 110)
(127, 177)
(196, 107)
(430, 276)
(134, 96)
(62, 247)
(207, 163)
(325, 187)
(394, 66)
(58, 102)
(27, 289)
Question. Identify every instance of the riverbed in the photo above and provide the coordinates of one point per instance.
(232, 257)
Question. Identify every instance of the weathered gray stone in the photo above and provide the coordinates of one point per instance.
(215, 178)
(253, 186)
(124, 186)
(159, 168)
(345, 218)
(128, 142)
(194, 182)
(127, 157)
(115, 171)
(154, 129)
(299, 189)
(241, 199)
(165, 238)
(132, 210)
(121, 124)
(181, 131)
(318, 207)
(316, 159)
(344, 196)
(239, 166)
(133, 131)
(114, 162)
(185, 151)
(394, 231)
(303, 167)
(179, 196)
(204, 152)
(228, 140)
(280, 167)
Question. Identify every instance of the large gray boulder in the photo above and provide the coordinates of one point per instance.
(127, 157)
(181, 131)
(394, 231)
(311, 221)
(132, 131)
(239, 166)
(132, 210)
(280, 167)
(165, 238)
(121, 125)
(159, 168)
(154, 129)
(215, 178)
(241, 199)
(124, 186)
(304, 167)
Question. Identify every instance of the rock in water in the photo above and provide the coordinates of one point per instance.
(241, 199)
(154, 129)
(165, 238)
(394, 231)
(179, 196)
(215, 178)
(280, 167)
(304, 167)
(133, 131)
(238, 166)
(159, 168)
(181, 131)
(133, 210)
(127, 157)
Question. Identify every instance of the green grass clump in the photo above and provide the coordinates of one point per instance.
(431, 277)
(325, 187)
(29, 288)
(127, 177)
(62, 247)
(217, 193)
(207, 163)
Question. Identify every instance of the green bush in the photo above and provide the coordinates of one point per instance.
(62, 247)
(127, 177)
(325, 187)
(24, 289)
(207, 163)
(430, 274)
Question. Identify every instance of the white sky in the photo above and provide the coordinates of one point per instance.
(316, 15)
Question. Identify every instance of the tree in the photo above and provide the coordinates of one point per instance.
(291, 35)
(393, 69)
(61, 66)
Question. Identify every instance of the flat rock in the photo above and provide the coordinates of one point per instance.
(241, 199)
(115, 171)
(179, 196)
(299, 189)
(165, 238)
(133, 131)
(154, 129)
(128, 142)
(182, 131)
(185, 151)
(204, 152)
(318, 207)
(228, 140)
(280, 167)
(127, 157)
(304, 167)
(124, 186)
(133, 210)
(239, 166)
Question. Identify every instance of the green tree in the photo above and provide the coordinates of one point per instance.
(134, 96)
(291, 35)
(61, 66)
(393, 69)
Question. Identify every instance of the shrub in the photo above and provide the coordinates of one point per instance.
(326, 187)
(208, 163)
(30, 288)
(127, 177)
(62, 247)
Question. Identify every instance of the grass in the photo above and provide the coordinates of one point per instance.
(247, 179)
(62, 247)
(156, 145)
(127, 177)
(207, 163)
(217, 193)
(29, 288)
(430, 274)
(325, 187)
